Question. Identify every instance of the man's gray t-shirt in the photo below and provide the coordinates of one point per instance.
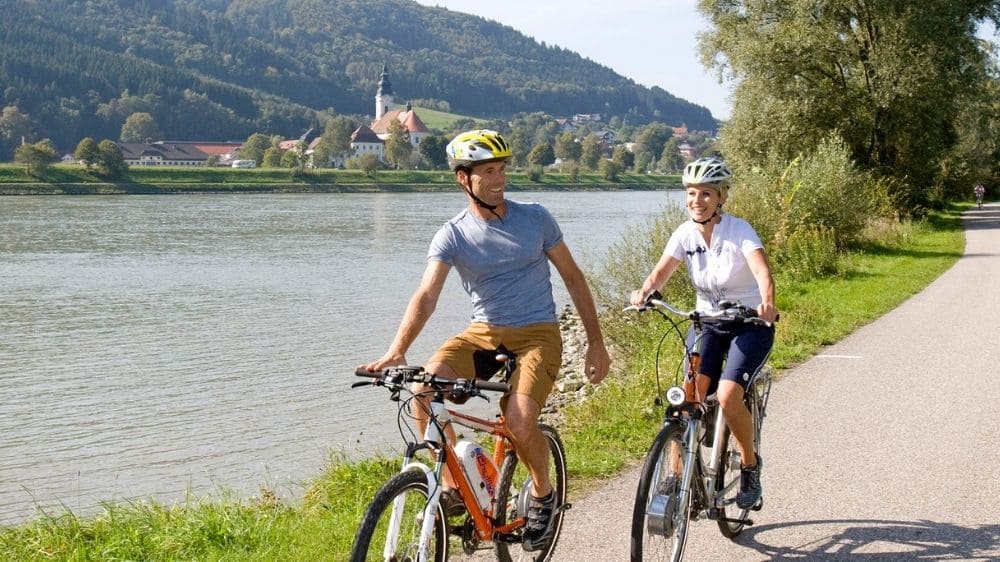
(503, 264)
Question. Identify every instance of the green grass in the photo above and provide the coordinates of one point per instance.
(603, 435)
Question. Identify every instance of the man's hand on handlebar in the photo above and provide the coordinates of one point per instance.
(388, 360)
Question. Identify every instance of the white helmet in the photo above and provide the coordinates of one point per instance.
(707, 171)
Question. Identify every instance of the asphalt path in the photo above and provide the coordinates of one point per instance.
(884, 446)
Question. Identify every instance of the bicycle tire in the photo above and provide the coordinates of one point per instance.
(732, 519)
(369, 542)
(646, 544)
(512, 478)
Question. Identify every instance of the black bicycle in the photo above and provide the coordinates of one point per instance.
(692, 469)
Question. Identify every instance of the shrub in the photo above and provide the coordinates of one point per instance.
(807, 253)
(822, 190)
(534, 173)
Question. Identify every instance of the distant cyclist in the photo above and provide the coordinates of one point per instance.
(980, 190)
(726, 262)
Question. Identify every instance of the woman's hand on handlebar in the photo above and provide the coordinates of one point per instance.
(766, 311)
(638, 298)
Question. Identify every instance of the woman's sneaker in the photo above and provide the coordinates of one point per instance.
(538, 527)
(750, 489)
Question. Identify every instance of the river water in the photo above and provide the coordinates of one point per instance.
(154, 346)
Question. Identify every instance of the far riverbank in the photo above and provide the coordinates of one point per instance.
(75, 180)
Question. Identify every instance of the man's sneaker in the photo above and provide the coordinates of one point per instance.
(451, 502)
(538, 527)
(750, 488)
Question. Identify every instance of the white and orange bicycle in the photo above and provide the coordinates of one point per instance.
(406, 520)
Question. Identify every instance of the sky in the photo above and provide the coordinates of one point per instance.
(653, 42)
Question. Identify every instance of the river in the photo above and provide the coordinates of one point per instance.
(155, 346)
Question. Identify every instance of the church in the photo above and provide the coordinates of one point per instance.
(370, 139)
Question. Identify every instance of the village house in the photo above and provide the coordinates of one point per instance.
(178, 153)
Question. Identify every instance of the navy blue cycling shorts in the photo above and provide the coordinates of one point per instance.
(746, 345)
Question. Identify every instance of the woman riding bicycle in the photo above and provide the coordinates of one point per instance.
(726, 262)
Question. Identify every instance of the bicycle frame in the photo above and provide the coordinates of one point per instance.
(445, 456)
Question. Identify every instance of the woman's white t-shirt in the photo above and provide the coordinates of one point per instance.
(719, 271)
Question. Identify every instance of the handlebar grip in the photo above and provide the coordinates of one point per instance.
(361, 372)
(495, 386)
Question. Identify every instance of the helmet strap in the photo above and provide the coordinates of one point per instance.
(715, 213)
(480, 202)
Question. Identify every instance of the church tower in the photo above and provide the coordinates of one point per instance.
(383, 97)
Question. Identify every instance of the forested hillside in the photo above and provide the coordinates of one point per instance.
(223, 69)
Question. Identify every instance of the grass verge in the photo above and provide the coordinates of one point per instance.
(603, 435)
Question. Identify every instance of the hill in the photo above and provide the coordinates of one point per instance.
(223, 69)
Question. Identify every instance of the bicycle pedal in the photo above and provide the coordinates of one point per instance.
(508, 538)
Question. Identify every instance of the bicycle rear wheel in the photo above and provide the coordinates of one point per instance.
(732, 520)
(515, 479)
(409, 489)
(659, 522)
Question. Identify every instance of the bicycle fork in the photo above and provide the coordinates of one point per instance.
(433, 436)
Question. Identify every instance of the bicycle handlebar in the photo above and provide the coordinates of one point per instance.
(397, 377)
(728, 311)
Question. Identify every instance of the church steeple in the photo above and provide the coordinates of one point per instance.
(383, 96)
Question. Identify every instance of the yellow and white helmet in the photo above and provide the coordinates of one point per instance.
(707, 171)
(475, 147)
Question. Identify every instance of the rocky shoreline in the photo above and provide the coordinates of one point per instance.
(571, 385)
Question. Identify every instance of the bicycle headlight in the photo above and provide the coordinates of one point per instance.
(675, 395)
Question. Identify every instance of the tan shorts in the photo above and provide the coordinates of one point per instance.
(538, 348)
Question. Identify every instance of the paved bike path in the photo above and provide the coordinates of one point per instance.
(884, 446)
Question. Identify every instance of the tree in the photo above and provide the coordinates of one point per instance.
(36, 157)
(590, 154)
(542, 155)
(14, 126)
(610, 170)
(87, 153)
(335, 143)
(623, 157)
(671, 159)
(567, 148)
(432, 150)
(272, 157)
(397, 146)
(141, 127)
(110, 161)
(291, 159)
(254, 147)
(888, 77)
(650, 139)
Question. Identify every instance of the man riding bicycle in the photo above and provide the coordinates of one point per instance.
(980, 190)
(726, 262)
(502, 250)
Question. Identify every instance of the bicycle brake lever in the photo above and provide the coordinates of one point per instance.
(363, 383)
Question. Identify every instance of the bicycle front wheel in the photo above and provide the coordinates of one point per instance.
(659, 522)
(380, 538)
(515, 479)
